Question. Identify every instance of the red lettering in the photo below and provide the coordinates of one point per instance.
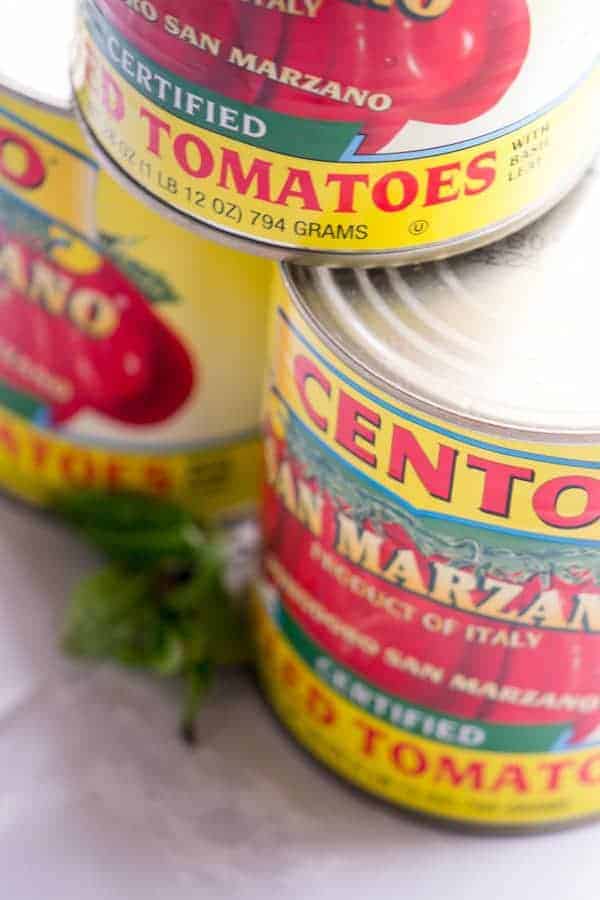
(590, 770)
(409, 759)
(349, 428)
(205, 163)
(78, 468)
(30, 172)
(299, 184)
(438, 179)
(370, 736)
(381, 191)
(8, 440)
(555, 771)
(157, 479)
(289, 673)
(545, 501)
(447, 769)
(305, 371)
(40, 450)
(319, 707)
(436, 479)
(485, 175)
(115, 470)
(155, 127)
(498, 483)
(511, 776)
(347, 183)
(259, 172)
(112, 97)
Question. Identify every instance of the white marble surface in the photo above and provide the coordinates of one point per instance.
(99, 801)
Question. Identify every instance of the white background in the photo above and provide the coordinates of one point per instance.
(35, 41)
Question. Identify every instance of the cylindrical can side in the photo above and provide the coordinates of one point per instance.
(131, 352)
(398, 152)
(428, 609)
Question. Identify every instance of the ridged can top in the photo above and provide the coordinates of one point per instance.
(504, 338)
(35, 48)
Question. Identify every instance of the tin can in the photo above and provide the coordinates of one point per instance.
(428, 613)
(440, 127)
(131, 351)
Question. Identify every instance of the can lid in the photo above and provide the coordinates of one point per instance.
(35, 48)
(506, 337)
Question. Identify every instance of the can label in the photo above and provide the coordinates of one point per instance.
(438, 121)
(112, 334)
(429, 607)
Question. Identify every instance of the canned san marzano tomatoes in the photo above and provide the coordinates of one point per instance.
(332, 130)
(114, 325)
(428, 617)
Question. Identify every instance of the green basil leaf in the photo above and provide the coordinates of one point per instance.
(144, 549)
(132, 529)
(112, 616)
(119, 511)
(162, 604)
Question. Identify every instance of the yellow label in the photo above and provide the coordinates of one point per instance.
(44, 162)
(472, 786)
(131, 352)
(37, 465)
(154, 126)
(542, 489)
(428, 612)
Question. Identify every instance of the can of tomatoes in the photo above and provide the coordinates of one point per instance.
(131, 351)
(428, 613)
(343, 132)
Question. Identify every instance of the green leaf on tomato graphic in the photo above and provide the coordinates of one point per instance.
(155, 286)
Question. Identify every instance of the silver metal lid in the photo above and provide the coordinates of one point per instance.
(507, 337)
(35, 47)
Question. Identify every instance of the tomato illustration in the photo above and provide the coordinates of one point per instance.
(538, 665)
(172, 38)
(379, 64)
(86, 340)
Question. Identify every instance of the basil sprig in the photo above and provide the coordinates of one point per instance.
(160, 603)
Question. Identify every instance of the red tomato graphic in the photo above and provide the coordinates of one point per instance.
(87, 341)
(446, 70)
(551, 662)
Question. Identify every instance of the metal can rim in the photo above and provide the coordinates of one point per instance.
(411, 398)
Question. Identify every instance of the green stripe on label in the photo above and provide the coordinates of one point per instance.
(282, 134)
(444, 729)
(21, 404)
(489, 547)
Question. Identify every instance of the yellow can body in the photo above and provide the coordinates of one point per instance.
(131, 351)
(427, 617)
(442, 126)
